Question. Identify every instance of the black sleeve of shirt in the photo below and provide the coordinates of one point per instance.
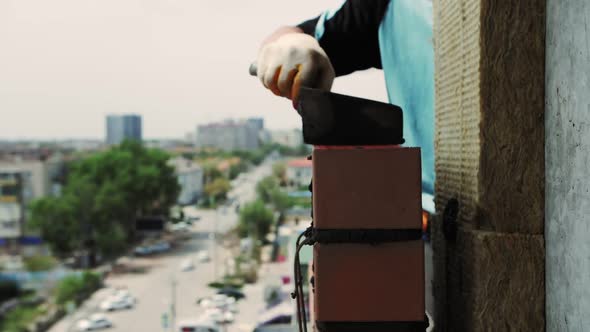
(351, 36)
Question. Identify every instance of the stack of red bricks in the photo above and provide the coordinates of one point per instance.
(364, 286)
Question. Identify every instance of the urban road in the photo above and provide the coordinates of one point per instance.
(159, 281)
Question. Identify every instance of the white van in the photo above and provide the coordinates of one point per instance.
(196, 325)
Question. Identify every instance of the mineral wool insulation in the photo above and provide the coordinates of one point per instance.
(489, 62)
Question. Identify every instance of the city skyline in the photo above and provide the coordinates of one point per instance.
(181, 137)
(67, 64)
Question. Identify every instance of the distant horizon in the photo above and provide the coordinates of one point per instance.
(148, 138)
(103, 138)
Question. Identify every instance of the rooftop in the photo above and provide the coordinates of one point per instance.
(299, 163)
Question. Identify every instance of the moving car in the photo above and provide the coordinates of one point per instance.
(187, 265)
(116, 303)
(203, 256)
(94, 322)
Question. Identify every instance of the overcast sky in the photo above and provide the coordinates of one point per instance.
(65, 64)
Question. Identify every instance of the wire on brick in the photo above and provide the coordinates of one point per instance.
(298, 292)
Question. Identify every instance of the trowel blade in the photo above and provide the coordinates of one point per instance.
(334, 119)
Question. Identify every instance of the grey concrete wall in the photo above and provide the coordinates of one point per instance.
(567, 120)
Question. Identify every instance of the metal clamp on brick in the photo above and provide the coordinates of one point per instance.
(366, 236)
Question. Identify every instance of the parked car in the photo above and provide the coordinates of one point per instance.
(142, 251)
(232, 293)
(221, 302)
(205, 302)
(94, 322)
(145, 250)
(277, 318)
(124, 294)
(196, 325)
(116, 303)
(160, 247)
(180, 227)
(193, 218)
(219, 316)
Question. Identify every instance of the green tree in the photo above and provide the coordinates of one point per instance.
(236, 169)
(269, 192)
(76, 287)
(255, 157)
(217, 189)
(91, 281)
(56, 219)
(279, 171)
(255, 220)
(39, 263)
(211, 172)
(265, 188)
(68, 288)
(302, 150)
(102, 198)
(280, 200)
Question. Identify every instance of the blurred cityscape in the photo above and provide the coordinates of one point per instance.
(132, 234)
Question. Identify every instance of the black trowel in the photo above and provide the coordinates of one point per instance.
(334, 119)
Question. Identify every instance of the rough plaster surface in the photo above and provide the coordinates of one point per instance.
(567, 148)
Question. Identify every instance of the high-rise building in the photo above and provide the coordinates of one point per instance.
(13, 198)
(257, 123)
(231, 134)
(122, 127)
(26, 175)
(289, 137)
(190, 179)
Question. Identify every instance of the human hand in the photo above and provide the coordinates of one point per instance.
(291, 61)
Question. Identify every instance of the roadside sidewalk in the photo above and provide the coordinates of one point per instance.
(254, 304)
(68, 322)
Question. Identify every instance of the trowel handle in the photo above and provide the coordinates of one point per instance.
(253, 70)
